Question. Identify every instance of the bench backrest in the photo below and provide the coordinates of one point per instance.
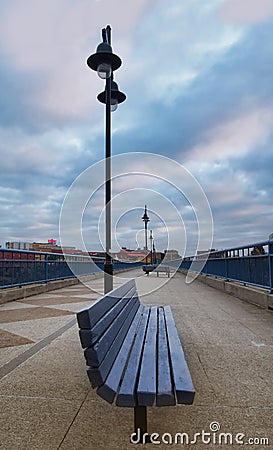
(89, 316)
(105, 323)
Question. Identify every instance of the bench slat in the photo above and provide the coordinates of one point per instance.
(97, 378)
(146, 389)
(88, 317)
(94, 355)
(109, 389)
(165, 395)
(126, 395)
(90, 337)
(180, 371)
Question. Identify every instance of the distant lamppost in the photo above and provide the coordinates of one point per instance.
(151, 246)
(105, 62)
(146, 219)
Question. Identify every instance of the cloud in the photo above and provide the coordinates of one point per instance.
(84, 202)
(40, 35)
(48, 154)
(236, 136)
(52, 41)
(30, 214)
(248, 12)
(241, 213)
(174, 55)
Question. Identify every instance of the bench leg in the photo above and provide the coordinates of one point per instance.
(140, 418)
(140, 436)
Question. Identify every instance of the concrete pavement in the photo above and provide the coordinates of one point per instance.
(45, 395)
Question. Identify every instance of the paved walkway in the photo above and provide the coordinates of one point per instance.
(47, 402)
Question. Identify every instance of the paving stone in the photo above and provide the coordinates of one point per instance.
(8, 339)
(35, 423)
(55, 301)
(17, 315)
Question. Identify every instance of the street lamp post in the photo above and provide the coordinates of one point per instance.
(146, 219)
(105, 62)
(154, 255)
(151, 246)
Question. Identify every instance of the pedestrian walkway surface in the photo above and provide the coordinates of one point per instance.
(47, 402)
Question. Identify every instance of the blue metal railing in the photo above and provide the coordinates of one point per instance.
(250, 264)
(22, 267)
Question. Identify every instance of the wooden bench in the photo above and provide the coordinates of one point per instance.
(156, 268)
(164, 269)
(134, 354)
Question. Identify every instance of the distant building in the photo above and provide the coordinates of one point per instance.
(169, 255)
(138, 255)
(126, 254)
(123, 255)
(18, 245)
(43, 246)
(49, 246)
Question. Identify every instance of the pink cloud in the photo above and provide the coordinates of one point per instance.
(37, 34)
(246, 11)
(236, 136)
(53, 40)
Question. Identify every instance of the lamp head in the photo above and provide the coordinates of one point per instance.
(116, 96)
(104, 61)
(145, 216)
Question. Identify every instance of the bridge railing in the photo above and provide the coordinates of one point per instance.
(250, 264)
(23, 267)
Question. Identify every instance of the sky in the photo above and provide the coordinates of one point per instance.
(193, 140)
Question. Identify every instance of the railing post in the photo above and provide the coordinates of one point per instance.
(226, 267)
(46, 268)
(270, 265)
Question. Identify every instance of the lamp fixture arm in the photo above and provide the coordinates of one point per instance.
(106, 35)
